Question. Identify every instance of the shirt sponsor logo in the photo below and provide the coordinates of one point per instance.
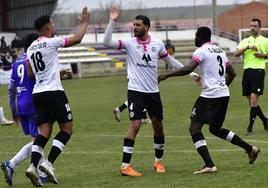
(146, 66)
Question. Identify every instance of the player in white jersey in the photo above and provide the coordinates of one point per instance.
(49, 97)
(143, 52)
(210, 108)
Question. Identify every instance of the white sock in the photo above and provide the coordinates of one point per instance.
(2, 117)
(124, 165)
(23, 154)
(157, 159)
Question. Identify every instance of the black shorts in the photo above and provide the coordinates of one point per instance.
(210, 111)
(137, 101)
(52, 106)
(253, 81)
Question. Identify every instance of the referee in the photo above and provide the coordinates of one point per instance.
(254, 50)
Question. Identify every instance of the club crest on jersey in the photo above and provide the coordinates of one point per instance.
(146, 58)
(153, 49)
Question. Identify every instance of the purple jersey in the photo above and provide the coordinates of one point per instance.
(24, 86)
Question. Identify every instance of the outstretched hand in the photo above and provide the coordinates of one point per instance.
(114, 13)
(162, 77)
(84, 18)
(66, 73)
(197, 80)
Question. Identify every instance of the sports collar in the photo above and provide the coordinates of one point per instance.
(144, 42)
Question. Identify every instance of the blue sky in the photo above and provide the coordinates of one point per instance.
(77, 5)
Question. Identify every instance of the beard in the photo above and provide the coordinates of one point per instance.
(139, 34)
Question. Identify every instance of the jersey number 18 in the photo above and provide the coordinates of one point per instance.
(39, 64)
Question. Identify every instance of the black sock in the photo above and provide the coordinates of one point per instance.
(236, 140)
(37, 149)
(252, 118)
(59, 143)
(122, 107)
(201, 146)
(128, 150)
(159, 143)
(261, 115)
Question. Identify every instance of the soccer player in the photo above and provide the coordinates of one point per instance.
(143, 92)
(117, 112)
(49, 97)
(255, 54)
(21, 104)
(210, 107)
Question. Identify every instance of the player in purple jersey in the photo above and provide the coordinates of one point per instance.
(21, 104)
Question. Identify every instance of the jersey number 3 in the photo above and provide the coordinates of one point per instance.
(39, 64)
(221, 70)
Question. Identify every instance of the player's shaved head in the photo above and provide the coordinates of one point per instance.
(203, 35)
(204, 32)
(40, 22)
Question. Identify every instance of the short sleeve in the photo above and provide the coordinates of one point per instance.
(242, 44)
(162, 50)
(197, 56)
(59, 42)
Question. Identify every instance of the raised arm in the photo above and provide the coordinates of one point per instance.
(78, 36)
(107, 40)
(175, 64)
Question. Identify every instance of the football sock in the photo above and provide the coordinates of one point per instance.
(123, 106)
(127, 151)
(261, 115)
(2, 117)
(233, 138)
(236, 140)
(37, 149)
(58, 145)
(201, 146)
(23, 154)
(159, 143)
(252, 117)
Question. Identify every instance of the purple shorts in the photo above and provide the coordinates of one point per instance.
(28, 124)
